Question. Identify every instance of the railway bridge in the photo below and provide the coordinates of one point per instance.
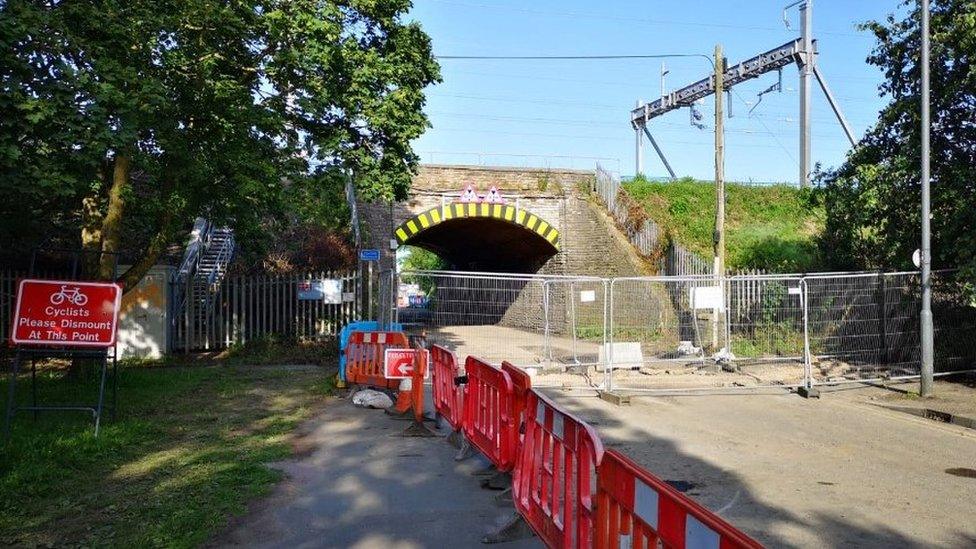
(544, 223)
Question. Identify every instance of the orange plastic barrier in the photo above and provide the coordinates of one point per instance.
(555, 474)
(522, 383)
(448, 397)
(489, 413)
(365, 355)
(637, 509)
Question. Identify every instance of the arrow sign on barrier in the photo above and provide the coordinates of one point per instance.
(398, 363)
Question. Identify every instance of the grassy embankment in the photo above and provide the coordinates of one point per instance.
(773, 227)
(188, 450)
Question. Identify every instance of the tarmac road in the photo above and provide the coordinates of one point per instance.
(834, 472)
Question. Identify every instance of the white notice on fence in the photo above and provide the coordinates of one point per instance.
(332, 291)
(707, 297)
(587, 296)
(794, 290)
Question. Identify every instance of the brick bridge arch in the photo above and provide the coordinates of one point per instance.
(483, 236)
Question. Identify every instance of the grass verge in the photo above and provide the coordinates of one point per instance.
(774, 227)
(188, 450)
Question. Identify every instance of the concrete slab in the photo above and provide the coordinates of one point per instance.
(792, 472)
(363, 485)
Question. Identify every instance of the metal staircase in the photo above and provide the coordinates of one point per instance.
(208, 254)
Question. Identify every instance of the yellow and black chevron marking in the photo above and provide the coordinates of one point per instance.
(434, 216)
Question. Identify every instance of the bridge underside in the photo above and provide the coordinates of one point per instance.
(483, 237)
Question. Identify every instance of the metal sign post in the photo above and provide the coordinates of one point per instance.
(370, 256)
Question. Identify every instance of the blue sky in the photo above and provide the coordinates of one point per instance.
(569, 113)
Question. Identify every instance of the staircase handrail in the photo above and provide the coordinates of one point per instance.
(199, 240)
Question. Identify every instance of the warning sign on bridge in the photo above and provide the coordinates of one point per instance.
(398, 363)
(66, 313)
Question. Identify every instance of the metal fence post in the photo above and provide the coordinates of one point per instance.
(573, 320)
(727, 295)
(546, 339)
(807, 362)
(606, 371)
(609, 347)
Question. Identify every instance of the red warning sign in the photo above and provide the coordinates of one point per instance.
(66, 313)
(398, 363)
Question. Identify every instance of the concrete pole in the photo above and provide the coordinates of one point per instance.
(639, 146)
(928, 343)
(806, 69)
(719, 239)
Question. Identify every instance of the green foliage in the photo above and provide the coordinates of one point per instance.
(770, 227)
(872, 200)
(419, 259)
(188, 450)
(236, 111)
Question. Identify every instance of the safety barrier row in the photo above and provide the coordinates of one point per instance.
(568, 489)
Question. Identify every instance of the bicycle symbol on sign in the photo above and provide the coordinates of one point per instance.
(72, 295)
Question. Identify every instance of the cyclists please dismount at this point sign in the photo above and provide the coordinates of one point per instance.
(66, 313)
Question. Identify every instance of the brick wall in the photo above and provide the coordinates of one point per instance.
(522, 181)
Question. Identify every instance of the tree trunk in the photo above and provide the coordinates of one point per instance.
(112, 223)
(91, 229)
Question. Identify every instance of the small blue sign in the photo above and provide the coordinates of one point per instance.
(369, 255)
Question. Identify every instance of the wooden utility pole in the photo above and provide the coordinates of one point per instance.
(719, 237)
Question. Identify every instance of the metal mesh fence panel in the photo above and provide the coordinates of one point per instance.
(766, 318)
(866, 326)
(576, 329)
(862, 326)
(696, 333)
(954, 313)
(492, 317)
(661, 329)
(543, 324)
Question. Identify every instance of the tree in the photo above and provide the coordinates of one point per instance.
(873, 200)
(122, 120)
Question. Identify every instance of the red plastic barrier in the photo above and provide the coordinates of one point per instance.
(489, 413)
(637, 509)
(522, 383)
(448, 397)
(417, 386)
(555, 477)
(365, 354)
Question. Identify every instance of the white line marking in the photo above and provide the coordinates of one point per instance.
(729, 505)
